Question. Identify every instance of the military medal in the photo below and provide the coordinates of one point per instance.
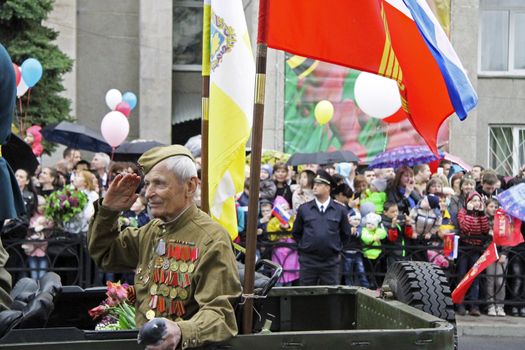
(145, 278)
(174, 266)
(166, 264)
(161, 247)
(183, 293)
(173, 293)
(183, 267)
(191, 268)
(164, 289)
(150, 314)
(153, 289)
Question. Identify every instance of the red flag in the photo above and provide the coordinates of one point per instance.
(507, 229)
(382, 37)
(488, 257)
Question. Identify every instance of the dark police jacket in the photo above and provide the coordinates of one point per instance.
(320, 236)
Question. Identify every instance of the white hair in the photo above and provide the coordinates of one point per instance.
(105, 159)
(182, 166)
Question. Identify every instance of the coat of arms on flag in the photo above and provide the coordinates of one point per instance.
(222, 38)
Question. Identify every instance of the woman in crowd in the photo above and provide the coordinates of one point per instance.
(304, 192)
(467, 185)
(86, 182)
(49, 181)
(455, 181)
(401, 191)
(28, 191)
(280, 177)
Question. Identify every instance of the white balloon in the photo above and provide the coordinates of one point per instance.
(115, 128)
(22, 88)
(113, 98)
(377, 96)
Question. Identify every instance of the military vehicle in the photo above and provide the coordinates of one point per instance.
(413, 310)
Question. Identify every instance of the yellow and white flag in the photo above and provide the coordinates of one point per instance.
(232, 78)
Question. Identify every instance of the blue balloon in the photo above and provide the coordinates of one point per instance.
(130, 98)
(31, 72)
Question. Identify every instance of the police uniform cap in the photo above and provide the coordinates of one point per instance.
(324, 178)
(157, 154)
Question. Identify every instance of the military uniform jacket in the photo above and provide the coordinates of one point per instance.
(185, 270)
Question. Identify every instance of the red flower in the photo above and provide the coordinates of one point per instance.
(97, 312)
(116, 293)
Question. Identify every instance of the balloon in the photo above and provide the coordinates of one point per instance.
(324, 111)
(377, 96)
(130, 98)
(115, 128)
(22, 88)
(31, 71)
(113, 98)
(123, 108)
(17, 73)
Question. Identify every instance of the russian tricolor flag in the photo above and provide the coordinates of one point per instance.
(398, 39)
(281, 215)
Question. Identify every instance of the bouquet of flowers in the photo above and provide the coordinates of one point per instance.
(64, 204)
(117, 311)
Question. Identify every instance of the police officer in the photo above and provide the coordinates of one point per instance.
(321, 228)
(185, 267)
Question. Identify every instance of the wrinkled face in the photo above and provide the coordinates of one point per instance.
(266, 210)
(392, 212)
(45, 176)
(22, 178)
(491, 208)
(321, 190)
(280, 175)
(406, 179)
(467, 187)
(370, 176)
(165, 193)
(476, 202)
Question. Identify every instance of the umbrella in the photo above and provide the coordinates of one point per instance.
(131, 151)
(458, 161)
(323, 158)
(76, 136)
(404, 155)
(513, 201)
(19, 154)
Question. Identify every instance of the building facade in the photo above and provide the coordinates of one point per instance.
(153, 49)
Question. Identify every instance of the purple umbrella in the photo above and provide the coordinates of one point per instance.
(513, 201)
(404, 155)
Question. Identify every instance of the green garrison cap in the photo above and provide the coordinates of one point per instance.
(150, 158)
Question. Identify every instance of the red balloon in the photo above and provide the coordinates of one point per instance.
(123, 107)
(17, 73)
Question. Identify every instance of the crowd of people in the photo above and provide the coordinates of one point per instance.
(331, 224)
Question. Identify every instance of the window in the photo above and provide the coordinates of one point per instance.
(507, 149)
(502, 37)
(187, 35)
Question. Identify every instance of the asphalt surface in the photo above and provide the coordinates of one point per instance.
(491, 343)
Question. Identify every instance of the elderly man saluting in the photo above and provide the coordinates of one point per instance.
(185, 266)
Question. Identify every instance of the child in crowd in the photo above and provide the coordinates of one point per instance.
(495, 273)
(376, 194)
(474, 228)
(372, 235)
(426, 218)
(35, 250)
(279, 230)
(137, 215)
(280, 176)
(353, 259)
(396, 233)
(267, 187)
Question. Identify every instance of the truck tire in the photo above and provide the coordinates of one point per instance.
(421, 285)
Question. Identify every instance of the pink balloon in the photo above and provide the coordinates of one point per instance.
(123, 107)
(115, 128)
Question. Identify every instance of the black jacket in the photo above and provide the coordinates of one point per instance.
(321, 236)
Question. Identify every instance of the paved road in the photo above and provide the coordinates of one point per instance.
(491, 343)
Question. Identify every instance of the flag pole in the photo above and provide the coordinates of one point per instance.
(255, 170)
(205, 95)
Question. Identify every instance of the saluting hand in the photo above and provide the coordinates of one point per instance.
(121, 192)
